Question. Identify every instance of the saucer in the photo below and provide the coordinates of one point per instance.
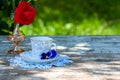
(29, 57)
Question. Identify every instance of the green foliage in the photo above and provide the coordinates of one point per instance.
(7, 8)
(69, 17)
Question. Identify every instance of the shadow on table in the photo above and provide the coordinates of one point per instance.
(12, 73)
(95, 55)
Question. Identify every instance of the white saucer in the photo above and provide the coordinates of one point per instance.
(26, 56)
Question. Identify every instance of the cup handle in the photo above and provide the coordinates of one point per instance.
(54, 46)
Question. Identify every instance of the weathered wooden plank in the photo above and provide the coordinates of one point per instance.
(95, 58)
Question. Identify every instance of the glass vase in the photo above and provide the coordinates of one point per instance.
(16, 38)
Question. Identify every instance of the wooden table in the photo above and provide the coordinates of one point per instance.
(95, 58)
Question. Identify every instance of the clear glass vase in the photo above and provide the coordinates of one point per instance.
(16, 38)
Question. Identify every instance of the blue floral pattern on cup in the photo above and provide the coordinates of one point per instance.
(41, 45)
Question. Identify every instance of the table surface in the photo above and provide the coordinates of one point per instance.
(95, 58)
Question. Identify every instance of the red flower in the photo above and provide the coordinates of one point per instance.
(24, 13)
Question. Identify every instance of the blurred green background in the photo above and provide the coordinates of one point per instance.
(65, 17)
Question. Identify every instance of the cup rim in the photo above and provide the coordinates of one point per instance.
(41, 38)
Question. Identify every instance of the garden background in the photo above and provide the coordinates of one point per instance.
(65, 17)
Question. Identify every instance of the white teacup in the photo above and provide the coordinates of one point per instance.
(41, 45)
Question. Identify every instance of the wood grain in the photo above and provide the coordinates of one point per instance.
(95, 58)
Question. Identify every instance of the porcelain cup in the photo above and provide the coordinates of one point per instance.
(41, 45)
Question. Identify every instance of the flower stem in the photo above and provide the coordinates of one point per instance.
(13, 8)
